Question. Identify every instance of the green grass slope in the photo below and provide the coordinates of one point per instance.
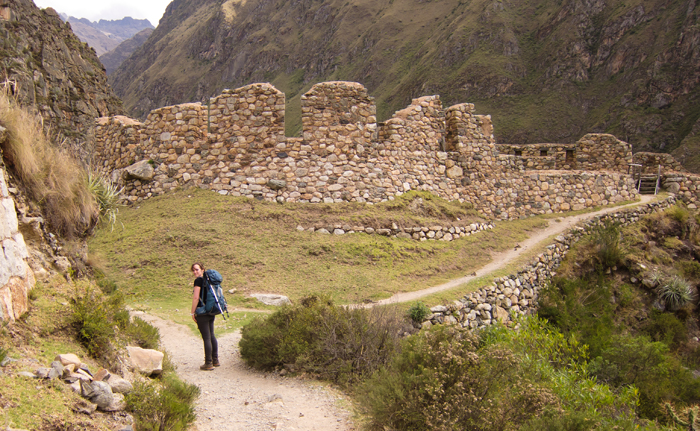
(258, 249)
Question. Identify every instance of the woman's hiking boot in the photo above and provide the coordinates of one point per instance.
(216, 363)
(207, 366)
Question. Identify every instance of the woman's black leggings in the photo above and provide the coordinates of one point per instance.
(205, 323)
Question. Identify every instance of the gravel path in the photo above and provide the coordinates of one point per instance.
(499, 260)
(235, 397)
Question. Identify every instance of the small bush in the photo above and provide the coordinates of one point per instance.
(92, 318)
(666, 328)
(336, 343)
(679, 214)
(607, 239)
(675, 293)
(163, 405)
(418, 312)
(443, 380)
(107, 286)
(144, 334)
(647, 365)
(95, 317)
(690, 269)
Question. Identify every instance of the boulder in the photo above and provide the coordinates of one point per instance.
(146, 361)
(97, 392)
(142, 171)
(277, 184)
(68, 359)
(119, 385)
(271, 299)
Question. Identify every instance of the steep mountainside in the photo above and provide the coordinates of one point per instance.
(546, 71)
(47, 68)
(105, 35)
(112, 59)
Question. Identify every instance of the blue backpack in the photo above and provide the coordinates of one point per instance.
(211, 296)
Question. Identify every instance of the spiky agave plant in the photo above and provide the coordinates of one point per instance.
(106, 195)
(675, 293)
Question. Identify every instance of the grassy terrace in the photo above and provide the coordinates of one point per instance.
(258, 249)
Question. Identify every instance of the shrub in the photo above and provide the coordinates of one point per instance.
(666, 328)
(675, 293)
(144, 334)
(418, 312)
(580, 306)
(690, 269)
(607, 239)
(647, 365)
(3, 354)
(443, 380)
(92, 318)
(167, 404)
(337, 343)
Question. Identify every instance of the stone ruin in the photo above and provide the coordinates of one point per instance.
(236, 145)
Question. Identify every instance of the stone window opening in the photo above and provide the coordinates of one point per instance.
(569, 156)
(543, 152)
(519, 153)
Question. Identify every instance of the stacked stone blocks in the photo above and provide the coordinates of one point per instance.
(511, 296)
(236, 146)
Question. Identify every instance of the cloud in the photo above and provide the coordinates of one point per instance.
(109, 9)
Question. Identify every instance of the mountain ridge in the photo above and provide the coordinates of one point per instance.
(545, 72)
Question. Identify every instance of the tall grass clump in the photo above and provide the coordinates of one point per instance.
(163, 404)
(340, 344)
(609, 249)
(3, 354)
(49, 175)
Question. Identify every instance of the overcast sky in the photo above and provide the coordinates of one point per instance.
(94, 10)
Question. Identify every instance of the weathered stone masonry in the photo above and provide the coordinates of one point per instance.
(236, 146)
(517, 294)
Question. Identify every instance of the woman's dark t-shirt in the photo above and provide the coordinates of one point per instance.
(199, 281)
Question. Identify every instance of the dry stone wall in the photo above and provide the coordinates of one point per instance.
(650, 162)
(236, 146)
(510, 296)
(599, 151)
(684, 186)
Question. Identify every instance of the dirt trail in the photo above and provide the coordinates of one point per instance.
(235, 397)
(499, 260)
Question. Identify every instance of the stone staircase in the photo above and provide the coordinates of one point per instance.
(648, 185)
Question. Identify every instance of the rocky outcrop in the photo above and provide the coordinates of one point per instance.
(16, 278)
(48, 69)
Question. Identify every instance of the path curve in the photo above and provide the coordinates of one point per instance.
(235, 397)
(504, 258)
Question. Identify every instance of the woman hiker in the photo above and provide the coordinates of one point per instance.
(205, 322)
